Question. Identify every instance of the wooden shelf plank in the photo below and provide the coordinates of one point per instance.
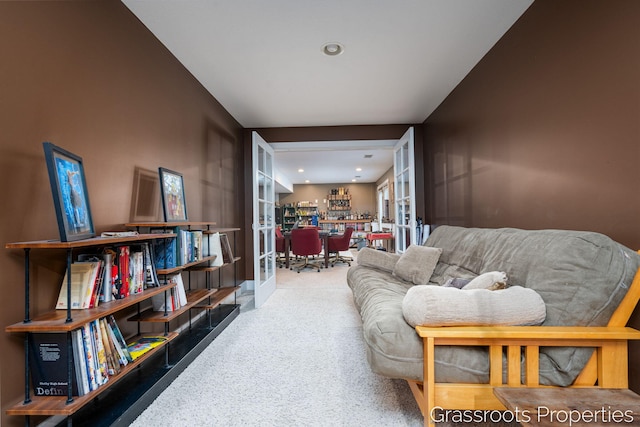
(206, 268)
(214, 268)
(171, 224)
(221, 230)
(344, 221)
(164, 271)
(55, 320)
(94, 241)
(218, 298)
(57, 405)
(193, 298)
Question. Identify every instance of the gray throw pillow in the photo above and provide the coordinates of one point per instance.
(381, 260)
(456, 282)
(417, 263)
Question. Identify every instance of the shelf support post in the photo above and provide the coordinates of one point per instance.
(27, 284)
(27, 373)
(69, 369)
(69, 261)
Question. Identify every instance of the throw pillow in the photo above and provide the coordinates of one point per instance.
(491, 280)
(377, 259)
(417, 263)
(456, 282)
(439, 306)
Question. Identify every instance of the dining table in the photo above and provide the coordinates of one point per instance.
(324, 236)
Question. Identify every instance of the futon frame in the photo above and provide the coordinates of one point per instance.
(607, 368)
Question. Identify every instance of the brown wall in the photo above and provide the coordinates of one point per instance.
(545, 131)
(89, 77)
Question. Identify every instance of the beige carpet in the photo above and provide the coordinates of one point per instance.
(299, 360)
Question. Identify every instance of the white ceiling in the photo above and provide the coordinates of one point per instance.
(262, 60)
(334, 162)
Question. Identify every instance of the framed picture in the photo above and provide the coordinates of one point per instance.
(172, 191)
(70, 196)
(145, 197)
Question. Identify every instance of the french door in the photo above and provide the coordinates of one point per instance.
(405, 191)
(264, 255)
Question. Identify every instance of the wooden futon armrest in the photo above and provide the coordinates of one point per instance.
(520, 333)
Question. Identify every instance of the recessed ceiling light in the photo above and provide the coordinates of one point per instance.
(300, 170)
(332, 49)
(307, 181)
(353, 180)
(358, 169)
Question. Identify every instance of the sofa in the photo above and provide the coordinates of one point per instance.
(581, 277)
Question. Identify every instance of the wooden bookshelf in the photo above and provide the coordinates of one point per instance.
(55, 320)
(179, 268)
(68, 320)
(193, 298)
(218, 298)
(57, 405)
(94, 241)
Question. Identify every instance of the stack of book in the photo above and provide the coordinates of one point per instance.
(99, 352)
(183, 249)
(173, 298)
(113, 274)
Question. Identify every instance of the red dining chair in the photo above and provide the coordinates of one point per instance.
(305, 242)
(340, 243)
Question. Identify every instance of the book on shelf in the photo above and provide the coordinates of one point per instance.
(144, 344)
(94, 292)
(84, 276)
(113, 362)
(80, 363)
(49, 365)
(136, 270)
(89, 356)
(150, 274)
(196, 244)
(211, 246)
(227, 252)
(104, 291)
(119, 338)
(115, 344)
(164, 251)
(123, 282)
(188, 246)
(119, 234)
(102, 370)
(171, 299)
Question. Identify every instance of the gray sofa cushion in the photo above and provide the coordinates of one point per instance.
(581, 276)
(394, 349)
(416, 264)
(377, 259)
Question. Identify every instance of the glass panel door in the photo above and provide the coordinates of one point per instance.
(405, 193)
(264, 255)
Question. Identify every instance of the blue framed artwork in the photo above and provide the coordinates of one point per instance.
(70, 197)
(174, 205)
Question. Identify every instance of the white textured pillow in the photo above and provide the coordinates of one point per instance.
(439, 306)
(487, 280)
(417, 263)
